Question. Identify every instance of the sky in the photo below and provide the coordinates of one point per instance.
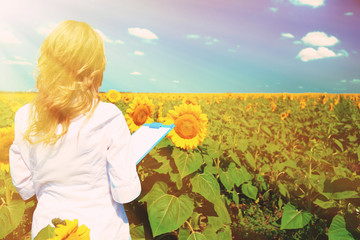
(198, 46)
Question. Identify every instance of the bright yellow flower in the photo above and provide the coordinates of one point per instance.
(285, 115)
(113, 96)
(71, 231)
(190, 126)
(6, 139)
(140, 112)
(4, 167)
(248, 107)
(273, 106)
(189, 100)
(14, 105)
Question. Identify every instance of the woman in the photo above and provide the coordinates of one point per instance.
(70, 149)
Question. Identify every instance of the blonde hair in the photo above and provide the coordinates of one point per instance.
(68, 75)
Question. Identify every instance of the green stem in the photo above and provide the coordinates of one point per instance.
(191, 229)
(7, 195)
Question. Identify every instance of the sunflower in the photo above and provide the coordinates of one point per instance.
(70, 231)
(190, 126)
(6, 139)
(190, 100)
(113, 96)
(4, 167)
(285, 115)
(273, 106)
(140, 112)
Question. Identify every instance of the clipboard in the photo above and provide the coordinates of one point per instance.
(147, 137)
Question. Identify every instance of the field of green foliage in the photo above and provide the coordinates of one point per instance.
(239, 166)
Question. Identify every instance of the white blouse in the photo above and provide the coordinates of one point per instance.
(86, 175)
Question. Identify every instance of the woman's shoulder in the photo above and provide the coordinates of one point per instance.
(23, 111)
(107, 111)
(105, 107)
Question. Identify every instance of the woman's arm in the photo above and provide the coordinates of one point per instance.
(124, 180)
(19, 162)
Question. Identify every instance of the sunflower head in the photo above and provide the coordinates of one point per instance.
(6, 139)
(189, 100)
(113, 96)
(70, 230)
(190, 126)
(140, 112)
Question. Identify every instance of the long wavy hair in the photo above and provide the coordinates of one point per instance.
(68, 75)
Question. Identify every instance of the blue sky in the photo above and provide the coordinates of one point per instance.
(214, 46)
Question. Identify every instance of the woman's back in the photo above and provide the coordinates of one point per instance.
(81, 175)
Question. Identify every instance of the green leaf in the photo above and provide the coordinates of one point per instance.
(196, 236)
(235, 197)
(159, 189)
(337, 230)
(210, 233)
(325, 204)
(227, 180)
(225, 234)
(221, 210)
(250, 160)
(266, 129)
(341, 195)
(215, 222)
(339, 144)
(187, 163)
(176, 178)
(283, 190)
(167, 213)
(194, 220)
(137, 232)
(45, 233)
(184, 233)
(243, 145)
(249, 190)
(293, 218)
(10, 216)
(234, 157)
(206, 185)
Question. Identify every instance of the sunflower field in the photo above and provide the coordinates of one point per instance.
(236, 166)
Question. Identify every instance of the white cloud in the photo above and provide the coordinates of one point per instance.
(18, 62)
(46, 29)
(349, 14)
(287, 35)
(7, 36)
(301, 87)
(209, 43)
(119, 42)
(102, 35)
(19, 58)
(142, 33)
(273, 9)
(319, 39)
(193, 36)
(176, 81)
(106, 39)
(343, 81)
(153, 79)
(136, 73)
(313, 3)
(355, 80)
(308, 54)
(138, 53)
(231, 50)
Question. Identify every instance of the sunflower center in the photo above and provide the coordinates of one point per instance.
(141, 114)
(186, 126)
